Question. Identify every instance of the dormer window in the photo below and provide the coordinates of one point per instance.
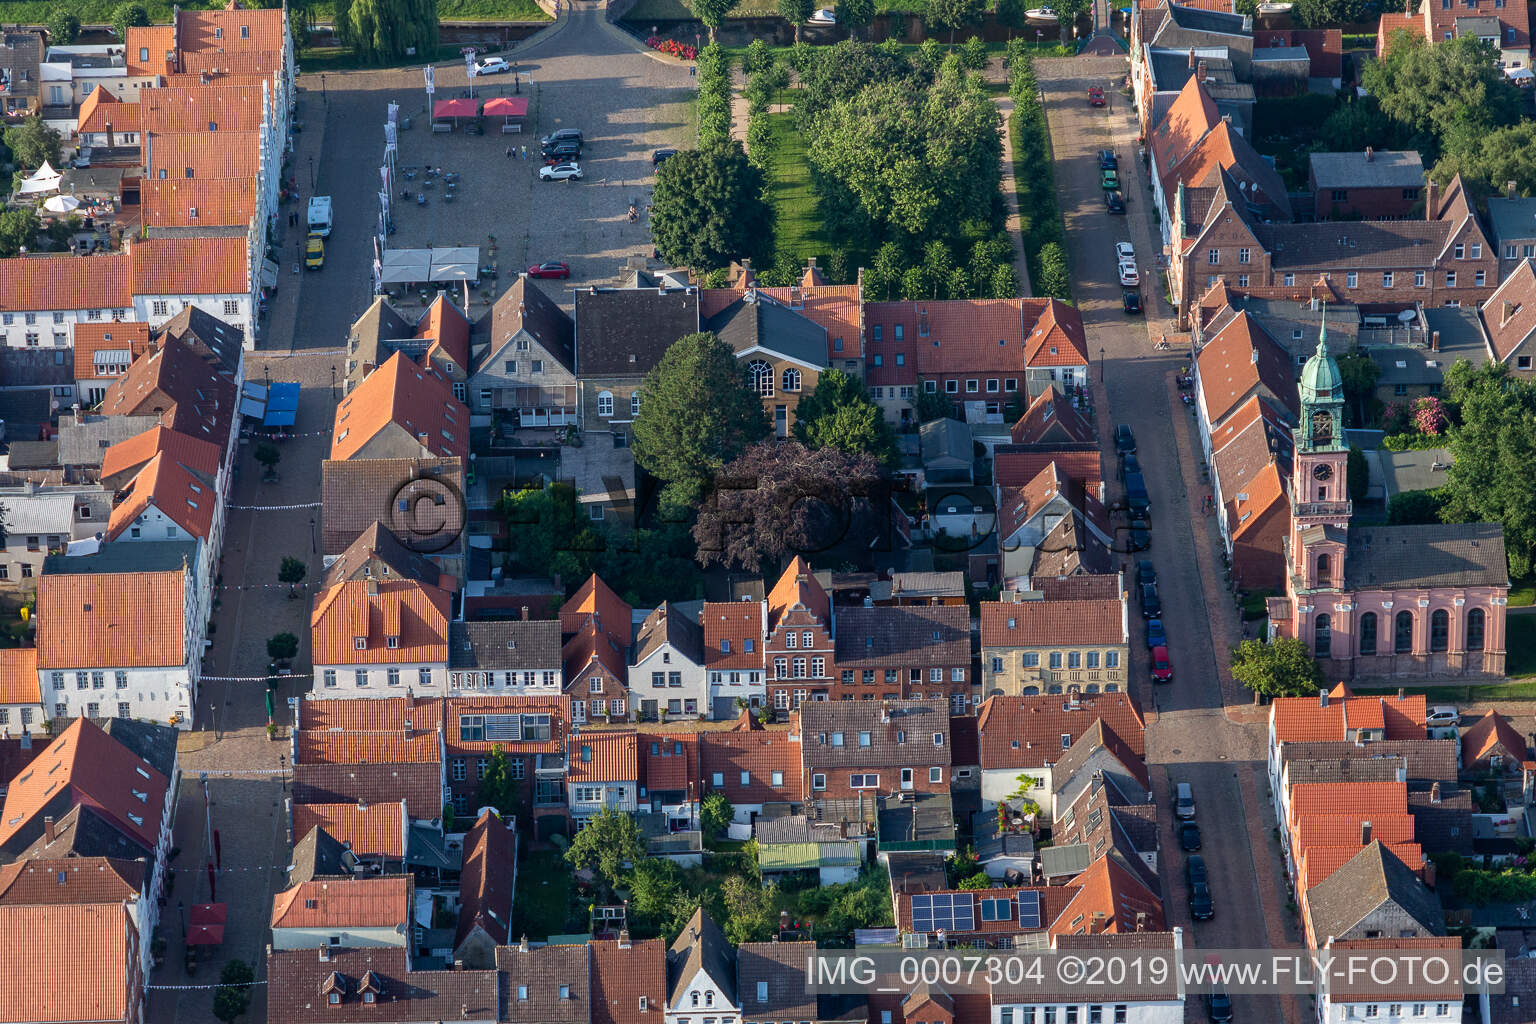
(392, 642)
(334, 998)
(368, 997)
(360, 643)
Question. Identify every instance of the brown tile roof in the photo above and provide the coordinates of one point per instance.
(835, 307)
(1101, 735)
(900, 733)
(372, 830)
(378, 553)
(1109, 894)
(1050, 417)
(102, 281)
(532, 981)
(135, 454)
(446, 329)
(1223, 149)
(216, 155)
(369, 729)
(112, 620)
(1243, 360)
(683, 633)
(1492, 734)
(602, 757)
(797, 588)
(622, 977)
(556, 707)
(594, 597)
(771, 980)
(296, 976)
(669, 762)
(759, 753)
(1306, 718)
(18, 676)
(197, 202)
(1015, 465)
(1085, 587)
(231, 30)
(187, 498)
(485, 883)
(401, 621)
(1042, 623)
(93, 337)
(733, 634)
(1192, 114)
(211, 109)
(92, 937)
(1373, 244)
(101, 108)
(1026, 732)
(1018, 504)
(187, 393)
(417, 400)
(93, 769)
(364, 902)
(71, 880)
(525, 307)
(1509, 315)
(355, 495)
(1426, 760)
(904, 637)
(419, 783)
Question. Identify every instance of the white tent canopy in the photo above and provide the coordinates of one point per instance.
(406, 266)
(416, 266)
(460, 263)
(61, 204)
(44, 179)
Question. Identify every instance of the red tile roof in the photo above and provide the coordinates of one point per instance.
(447, 329)
(71, 880)
(486, 881)
(759, 753)
(1340, 830)
(103, 281)
(18, 676)
(669, 761)
(594, 597)
(207, 109)
(101, 108)
(1049, 415)
(1017, 465)
(1324, 46)
(372, 729)
(185, 497)
(364, 902)
(1042, 623)
(1026, 732)
(1190, 116)
(159, 41)
(592, 643)
(216, 155)
(1391, 23)
(1057, 338)
(603, 757)
(112, 620)
(91, 937)
(1492, 734)
(190, 266)
(1017, 505)
(620, 977)
(730, 629)
(372, 830)
(1110, 899)
(91, 338)
(416, 400)
(798, 588)
(414, 614)
(1509, 315)
(231, 30)
(1296, 719)
(1242, 360)
(197, 202)
(1362, 799)
(139, 451)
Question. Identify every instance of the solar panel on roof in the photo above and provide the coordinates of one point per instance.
(1029, 910)
(933, 912)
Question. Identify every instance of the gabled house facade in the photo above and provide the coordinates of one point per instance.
(523, 375)
(376, 638)
(668, 673)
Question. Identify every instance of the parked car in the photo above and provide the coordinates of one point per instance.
(1155, 636)
(1189, 836)
(1107, 161)
(560, 172)
(824, 16)
(561, 135)
(1136, 493)
(1194, 870)
(550, 269)
(661, 156)
(1095, 96)
(1109, 178)
(1162, 668)
(1201, 906)
(491, 66)
(1146, 572)
(1140, 535)
(1125, 252)
(1129, 276)
(1443, 715)
(1129, 464)
(1130, 300)
(1219, 1006)
(1184, 801)
(314, 252)
(1125, 441)
(1114, 201)
(1151, 604)
(562, 152)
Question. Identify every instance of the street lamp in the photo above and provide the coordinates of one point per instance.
(1102, 378)
(213, 713)
(311, 175)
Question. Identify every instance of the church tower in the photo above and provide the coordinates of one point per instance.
(1319, 482)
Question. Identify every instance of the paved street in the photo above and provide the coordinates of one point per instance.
(1201, 730)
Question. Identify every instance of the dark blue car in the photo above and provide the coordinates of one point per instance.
(1155, 635)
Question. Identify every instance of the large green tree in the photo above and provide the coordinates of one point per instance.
(1412, 508)
(31, 142)
(550, 533)
(63, 27)
(1444, 89)
(856, 14)
(18, 228)
(1494, 441)
(712, 13)
(840, 413)
(1488, 161)
(954, 14)
(498, 788)
(126, 16)
(696, 414)
(1333, 13)
(608, 844)
(708, 208)
(796, 12)
(1284, 667)
(749, 911)
(380, 31)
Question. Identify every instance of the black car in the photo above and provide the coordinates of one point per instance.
(563, 135)
(1129, 464)
(1130, 301)
(660, 156)
(562, 152)
(1219, 1005)
(1125, 441)
(1114, 200)
(1107, 161)
(1141, 535)
(1201, 906)
(1189, 836)
(1151, 604)
(1194, 870)
(1146, 572)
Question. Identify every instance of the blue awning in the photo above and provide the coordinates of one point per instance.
(282, 405)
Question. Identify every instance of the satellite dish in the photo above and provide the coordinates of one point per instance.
(1407, 316)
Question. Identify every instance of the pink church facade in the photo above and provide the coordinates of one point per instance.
(1381, 600)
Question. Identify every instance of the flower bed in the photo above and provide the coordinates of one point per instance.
(673, 48)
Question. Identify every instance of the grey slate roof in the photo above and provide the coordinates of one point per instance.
(356, 494)
(378, 542)
(823, 723)
(1367, 245)
(623, 332)
(1419, 469)
(927, 584)
(84, 443)
(770, 976)
(917, 871)
(295, 977)
(904, 637)
(1425, 759)
(148, 741)
(135, 556)
(1170, 65)
(946, 440)
(757, 321)
(543, 971)
(1280, 54)
(1370, 878)
(84, 832)
(667, 624)
(218, 342)
(1512, 218)
(702, 946)
(1209, 21)
(524, 307)
(1435, 555)
(319, 855)
(1347, 769)
(1383, 169)
(1443, 825)
(512, 645)
(1065, 861)
(33, 454)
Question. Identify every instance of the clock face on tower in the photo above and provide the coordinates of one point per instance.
(1322, 471)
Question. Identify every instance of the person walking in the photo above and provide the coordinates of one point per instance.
(524, 150)
(509, 152)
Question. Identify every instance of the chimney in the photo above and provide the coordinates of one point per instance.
(1434, 341)
(1192, 62)
(624, 938)
(1431, 200)
(1322, 699)
(1365, 833)
(1200, 77)
(1509, 190)
(325, 955)
(26, 740)
(1434, 793)
(1370, 154)
(49, 831)
(362, 804)
(525, 613)
(1402, 694)
(522, 944)
(1429, 873)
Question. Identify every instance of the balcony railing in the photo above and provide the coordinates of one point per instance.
(1323, 508)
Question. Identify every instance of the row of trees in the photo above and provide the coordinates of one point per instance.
(1035, 179)
(858, 15)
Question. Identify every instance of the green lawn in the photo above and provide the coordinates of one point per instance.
(1520, 643)
(1523, 591)
(544, 904)
(797, 223)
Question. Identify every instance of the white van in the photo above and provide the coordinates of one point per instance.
(1184, 802)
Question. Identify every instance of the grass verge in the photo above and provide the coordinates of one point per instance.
(797, 220)
(543, 904)
(1523, 591)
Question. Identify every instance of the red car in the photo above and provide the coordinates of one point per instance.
(552, 268)
(1095, 96)
(1162, 668)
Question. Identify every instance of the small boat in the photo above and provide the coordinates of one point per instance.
(1041, 16)
(1274, 8)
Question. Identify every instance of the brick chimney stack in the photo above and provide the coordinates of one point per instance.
(1509, 190)
(1200, 72)
(1434, 341)
(1431, 200)
(1191, 58)
(1370, 154)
